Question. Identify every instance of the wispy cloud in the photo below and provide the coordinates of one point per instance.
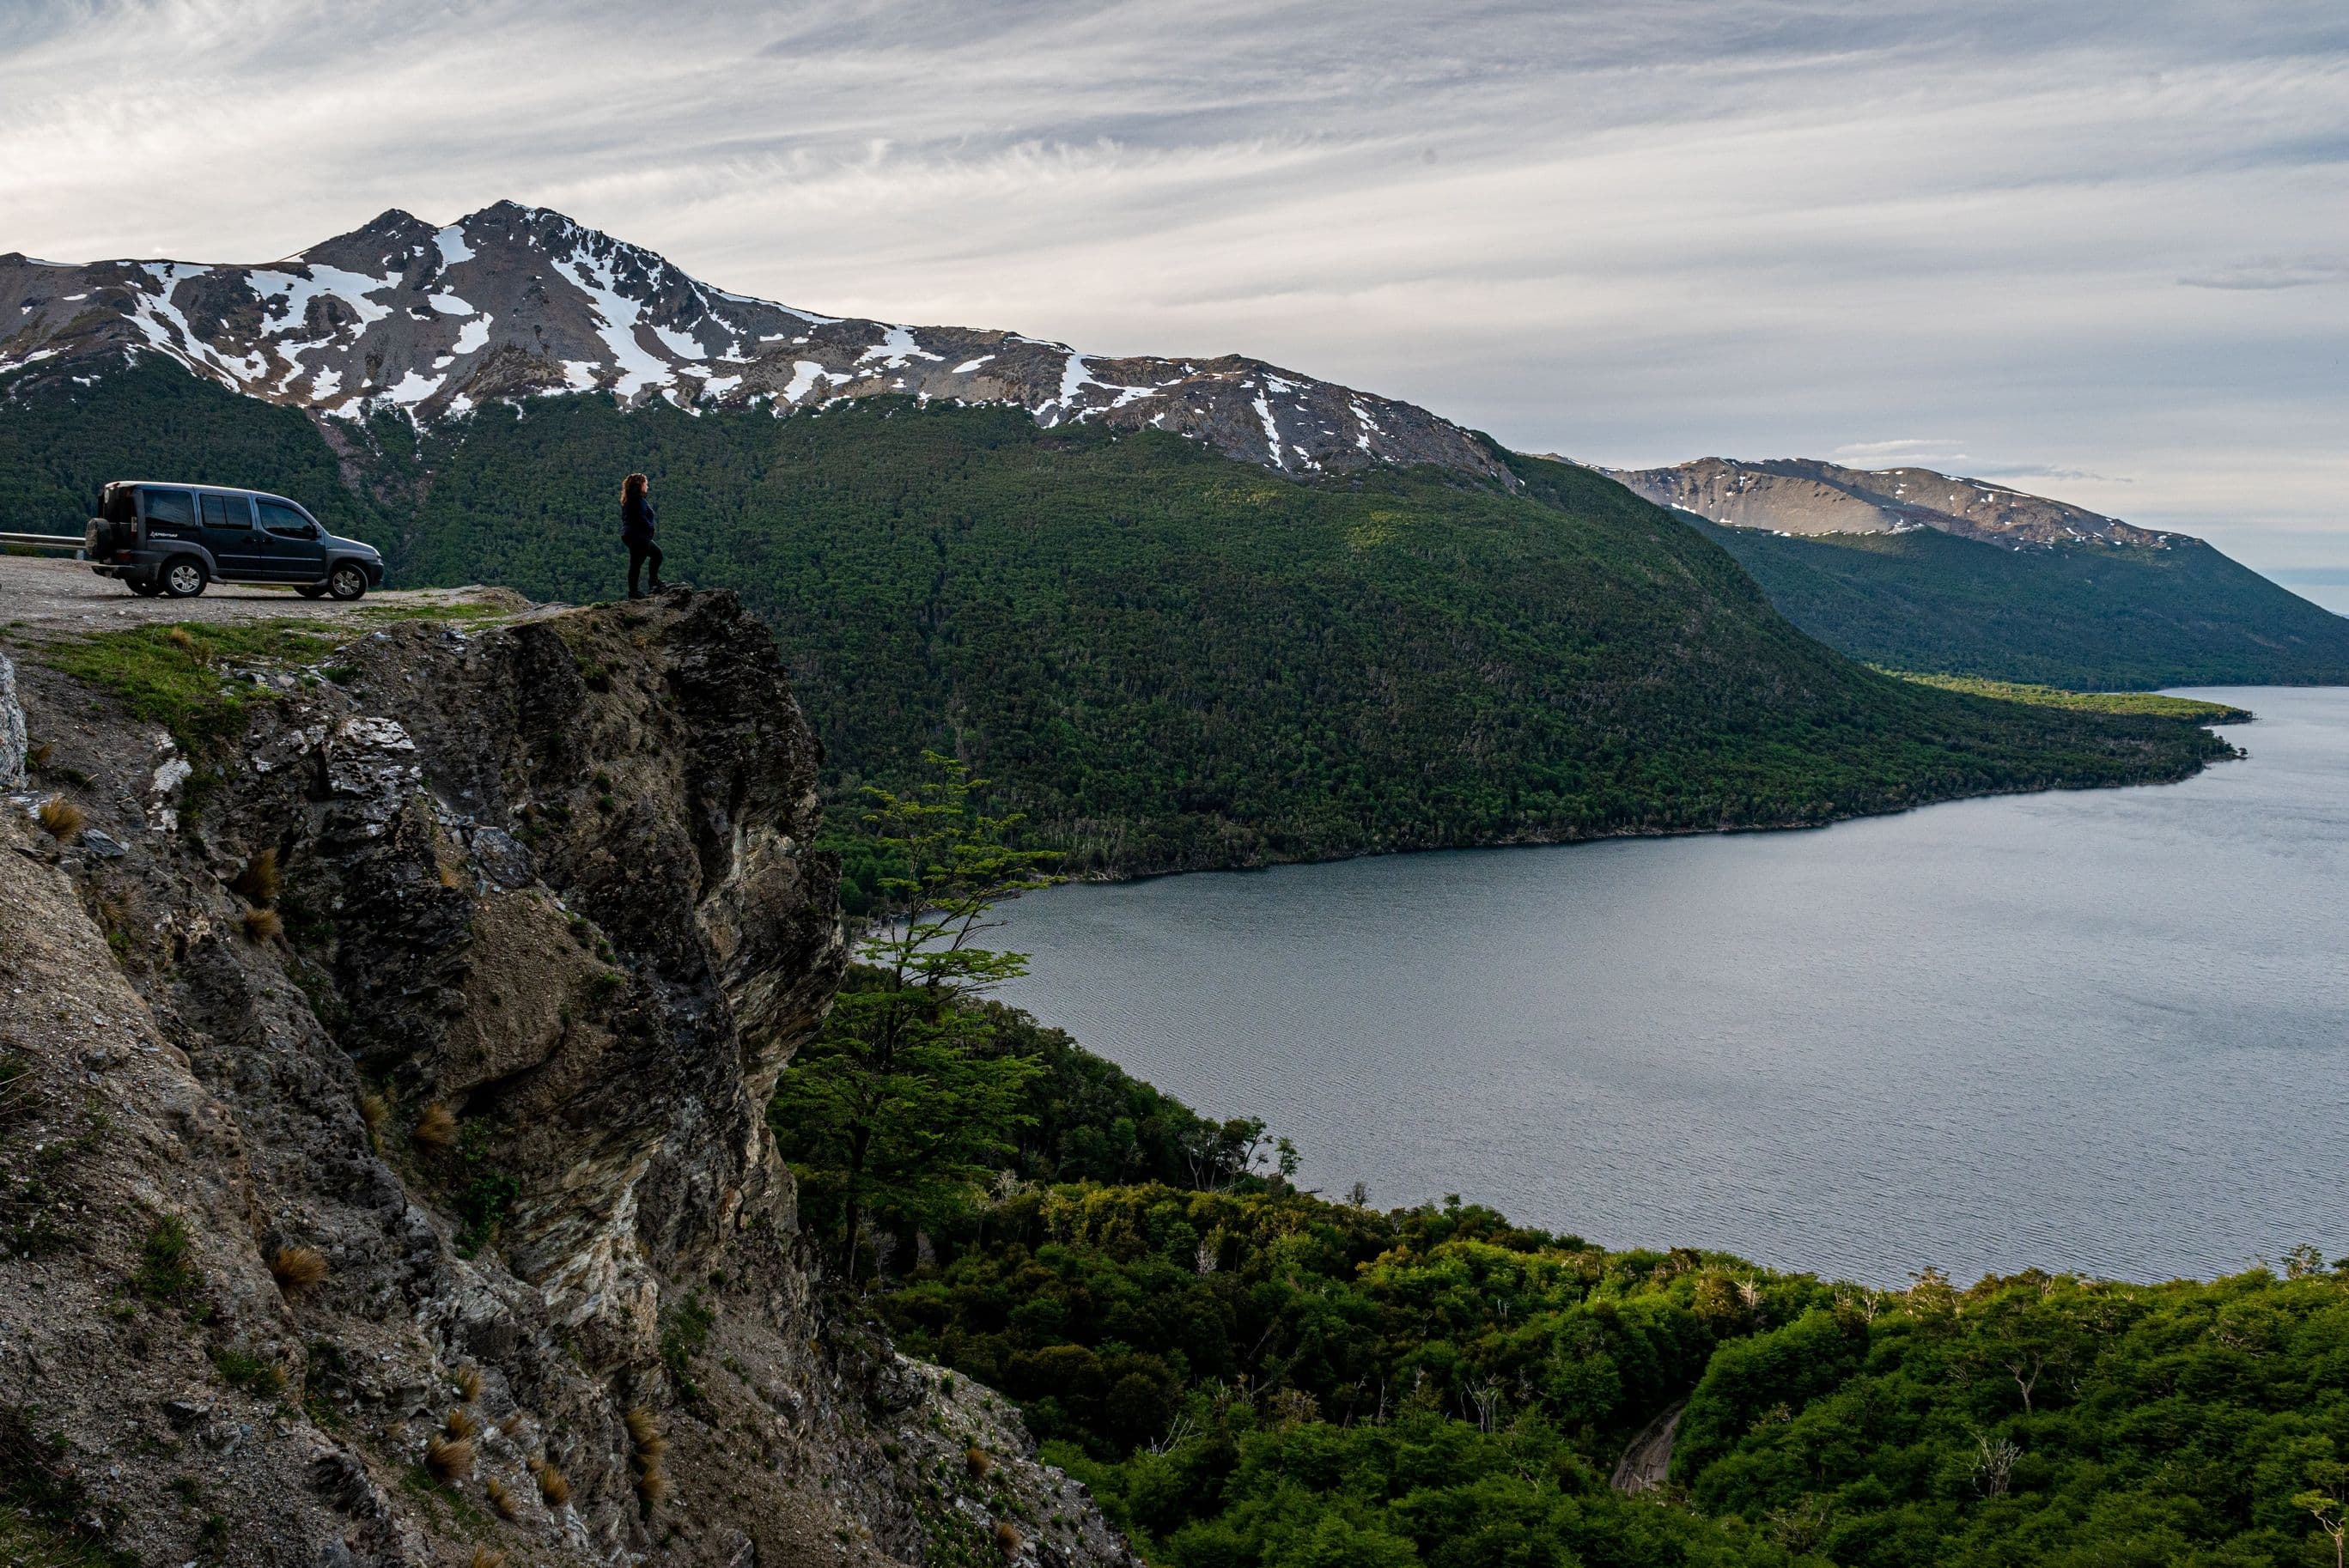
(1637, 233)
(2268, 272)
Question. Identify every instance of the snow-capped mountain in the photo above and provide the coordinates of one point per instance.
(1801, 495)
(512, 302)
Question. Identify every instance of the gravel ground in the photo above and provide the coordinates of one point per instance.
(61, 595)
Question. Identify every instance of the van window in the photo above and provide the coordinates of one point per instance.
(227, 512)
(280, 519)
(172, 509)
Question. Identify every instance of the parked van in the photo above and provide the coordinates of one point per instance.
(173, 539)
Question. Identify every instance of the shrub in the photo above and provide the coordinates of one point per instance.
(62, 820)
(449, 1460)
(298, 1270)
(436, 1128)
(263, 924)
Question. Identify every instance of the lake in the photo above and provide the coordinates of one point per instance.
(2104, 1031)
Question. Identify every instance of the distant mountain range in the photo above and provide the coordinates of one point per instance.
(1916, 569)
(1801, 495)
(515, 302)
(1181, 613)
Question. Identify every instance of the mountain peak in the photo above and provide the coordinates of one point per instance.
(512, 302)
(1805, 495)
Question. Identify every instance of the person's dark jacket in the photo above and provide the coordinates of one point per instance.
(638, 523)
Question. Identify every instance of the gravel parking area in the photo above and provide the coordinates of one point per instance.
(59, 594)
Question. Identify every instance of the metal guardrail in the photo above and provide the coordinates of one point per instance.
(42, 541)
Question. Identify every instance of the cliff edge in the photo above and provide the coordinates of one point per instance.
(392, 1013)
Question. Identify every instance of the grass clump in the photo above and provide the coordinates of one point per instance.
(298, 1270)
(62, 820)
(259, 883)
(262, 925)
(1008, 1539)
(249, 1374)
(167, 1274)
(449, 1460)
(468, 1383)
(554, 1486)
(683, 1339)
(436, 1128)
(501, 1498)
(645, 1433)
(460, 1422)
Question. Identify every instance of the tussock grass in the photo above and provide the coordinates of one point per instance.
(979, 1461)
(501, 1498)
(483, 1557)
(298, 1270)
(460, 1422)
(258, 882)
(449, 1460)
(62, 820)
(1008, 1539)
(468, 1383)
(262, 925)
(436, 1128)
(554, 1486)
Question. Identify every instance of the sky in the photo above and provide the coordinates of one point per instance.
(2096, 249)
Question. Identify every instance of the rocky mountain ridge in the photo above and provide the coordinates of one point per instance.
(1805, 496)
(514, 302)
(389, 1027)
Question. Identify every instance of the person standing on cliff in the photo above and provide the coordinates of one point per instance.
(640, 528)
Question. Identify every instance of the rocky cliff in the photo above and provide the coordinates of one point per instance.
(384, 1065)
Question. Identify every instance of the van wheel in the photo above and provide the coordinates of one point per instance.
(346, 582)
(312, 590)
(183, 578)
(145, 587)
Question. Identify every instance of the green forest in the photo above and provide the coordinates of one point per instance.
(1250, 1375)
(2082, 616)
(1164, 658)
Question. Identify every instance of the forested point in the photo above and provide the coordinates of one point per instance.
(1165, 659)
(2086, 617)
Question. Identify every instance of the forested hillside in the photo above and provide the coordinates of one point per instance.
(2091, 616)
(1166, 657)
(1249, 1375)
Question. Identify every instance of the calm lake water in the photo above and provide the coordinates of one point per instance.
(2105, 1031)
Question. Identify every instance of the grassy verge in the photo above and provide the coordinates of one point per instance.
(2145, 704)
(178, 675)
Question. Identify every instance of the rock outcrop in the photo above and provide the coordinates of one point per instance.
(383, 1125)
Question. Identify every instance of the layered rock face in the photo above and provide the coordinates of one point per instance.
(445, 1219)
(512, 302)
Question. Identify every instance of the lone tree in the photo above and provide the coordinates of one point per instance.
(894, 1114)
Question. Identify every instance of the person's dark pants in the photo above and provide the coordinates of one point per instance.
(637, 555)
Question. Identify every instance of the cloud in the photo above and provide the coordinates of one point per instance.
(1648, 232)
(2268, 273)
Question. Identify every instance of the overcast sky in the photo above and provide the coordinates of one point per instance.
(2094, 248)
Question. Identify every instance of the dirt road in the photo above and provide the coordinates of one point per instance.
(1648, 1462)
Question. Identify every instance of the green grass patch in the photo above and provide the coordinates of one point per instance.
(249, 1374)
(167, 1274)
(181, 677)
(2144, 703)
